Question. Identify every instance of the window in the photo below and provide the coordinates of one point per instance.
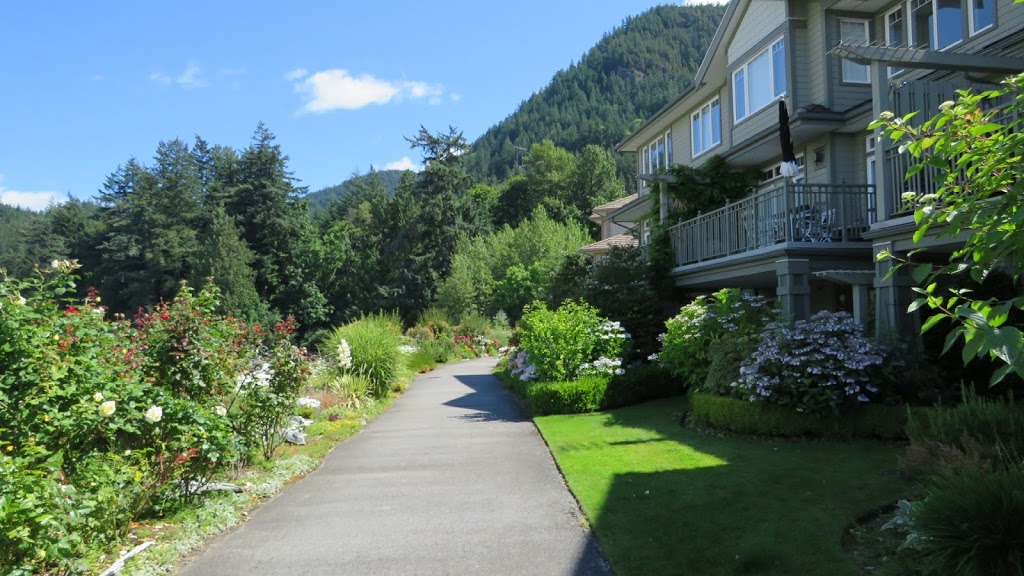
(895, 34)
(645, 239)
(982, 14)
(706, 127)
(937, 24)
(760, 80)
(854, 32)
(656, 155)
(774, 171)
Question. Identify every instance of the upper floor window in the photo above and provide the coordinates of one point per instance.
(854, 32)
(657, 154)
(760, 80)
(895, 33)
(706, 127)
(937, 24)
(982, 14)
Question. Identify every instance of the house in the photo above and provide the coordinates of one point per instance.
(614, 233)
(810, 240)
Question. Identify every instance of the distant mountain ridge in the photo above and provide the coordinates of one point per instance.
(631, 73)
(320, 198)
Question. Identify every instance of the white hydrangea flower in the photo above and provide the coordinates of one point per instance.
(221, 411)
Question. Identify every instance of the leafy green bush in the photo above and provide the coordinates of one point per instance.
(441, 350)
(727, 355)
(438, 321)
(641, 383)
(560, 342)
(472, 324)
(691, 335)
(374, 343)
(573, 397)
(969, 523)
(984, 432)
(743, 417)
(421, 361)
(823, 364)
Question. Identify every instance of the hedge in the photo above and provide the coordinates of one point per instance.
(572, 397)
(743, 417)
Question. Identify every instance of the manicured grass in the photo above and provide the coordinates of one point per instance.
(664, 499)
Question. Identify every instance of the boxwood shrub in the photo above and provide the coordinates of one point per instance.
(574, 397)
(639, 384)
(744, 417)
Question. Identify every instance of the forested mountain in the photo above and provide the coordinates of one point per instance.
(628, 76)
(320, 198)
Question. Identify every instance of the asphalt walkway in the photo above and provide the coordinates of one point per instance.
(452, 479)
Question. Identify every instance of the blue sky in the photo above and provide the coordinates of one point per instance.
(88, 85)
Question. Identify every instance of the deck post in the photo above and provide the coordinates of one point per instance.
(794, 290)
(892, 297)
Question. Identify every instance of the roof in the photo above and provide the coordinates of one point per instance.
(622, 241)
(600, 212)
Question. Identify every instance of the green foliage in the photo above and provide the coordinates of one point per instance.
(727, 355)
(629, 75)
(507, 269)
(438, 321)
(572, 397)
(706, 187)
(421, 361)
(640, 383)
(985, 432)
(692, 334)
(978, 197)
(743, 417)
(374, 342)
(472, 324)
(559, 342)
(620, 286)
(970, 523)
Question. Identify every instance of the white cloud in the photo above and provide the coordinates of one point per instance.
(455, 96)
(191, 77)
(338, 90)
(30, 200)
(296, 74)
(404, 164)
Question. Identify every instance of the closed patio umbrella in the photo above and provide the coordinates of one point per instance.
(789, 168)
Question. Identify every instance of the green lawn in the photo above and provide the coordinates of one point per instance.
(664, 499)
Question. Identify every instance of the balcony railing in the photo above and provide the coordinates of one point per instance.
(814, 213)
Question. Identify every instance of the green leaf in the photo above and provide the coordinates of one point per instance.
(917, 304)
(931, 322)
(921, 272)
(951, 338)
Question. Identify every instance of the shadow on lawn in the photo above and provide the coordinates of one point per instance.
(733, 505)
(489, 401)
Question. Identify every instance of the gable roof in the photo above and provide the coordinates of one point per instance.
(602, 246)
(600, 212)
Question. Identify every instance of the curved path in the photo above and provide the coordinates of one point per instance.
(452, 479)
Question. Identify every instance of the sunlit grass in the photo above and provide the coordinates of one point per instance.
(663, 499)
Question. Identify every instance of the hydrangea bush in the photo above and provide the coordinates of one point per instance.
(817, 365)
(559, 343)
(691, 334)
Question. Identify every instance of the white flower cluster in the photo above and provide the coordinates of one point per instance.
(521, 367)
(344, 355)
(601, 366)
(260, 375)
(306, 402)
(612, 331)
(812, 365)
(407, 349)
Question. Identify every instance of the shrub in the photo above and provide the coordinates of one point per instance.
(743, 417)
(472, 324)
(727, 355)
(374, 343)
(559, 342)
(500, 321)
(438, 321)
(818, 365)
(969, 523)
(573, 397)
(640, 383)
(690, 335)
(440, 350)
(421, 361)
(987, 433)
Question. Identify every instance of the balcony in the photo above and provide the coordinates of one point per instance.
(789, 213)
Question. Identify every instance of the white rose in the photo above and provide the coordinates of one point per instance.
(154, 414)
(107, 408)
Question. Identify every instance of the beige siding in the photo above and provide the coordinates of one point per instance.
(681, 140)
(844, 95)
(761, 17)
(848, 159)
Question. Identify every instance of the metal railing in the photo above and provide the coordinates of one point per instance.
(786, 213)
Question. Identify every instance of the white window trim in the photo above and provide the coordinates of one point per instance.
(970, 19)
(647, 154)
(700, 109)
(870, 159)
(867, 34)
(746, 83)
(777, 171)
(904, 23)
